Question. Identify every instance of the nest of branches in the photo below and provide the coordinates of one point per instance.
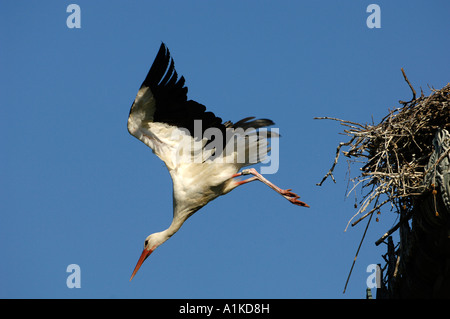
(395, 170)
(394, 153)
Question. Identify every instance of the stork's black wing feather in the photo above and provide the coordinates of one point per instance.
(170, 94)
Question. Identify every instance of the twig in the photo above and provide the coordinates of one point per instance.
(410, 86)
(371, 212)
(393, 229)
(339, 120)
(356, 255)
(330, 172)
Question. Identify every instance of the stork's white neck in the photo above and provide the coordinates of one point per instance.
(179, 217)
(166, 234)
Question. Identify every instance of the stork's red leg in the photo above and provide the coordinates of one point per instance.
(286, 193)
(245, 181)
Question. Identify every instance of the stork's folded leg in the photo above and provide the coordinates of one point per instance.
(286, 193)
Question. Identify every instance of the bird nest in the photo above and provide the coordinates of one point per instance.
(400, 166)
(394, 153)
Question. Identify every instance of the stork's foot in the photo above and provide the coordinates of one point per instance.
(292, 197)
(288, 193)
(297, 202)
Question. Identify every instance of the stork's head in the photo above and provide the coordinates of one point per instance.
(150, 244)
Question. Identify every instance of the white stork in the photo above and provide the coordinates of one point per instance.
(164, 119)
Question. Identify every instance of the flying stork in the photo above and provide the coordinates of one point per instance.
(164, 119)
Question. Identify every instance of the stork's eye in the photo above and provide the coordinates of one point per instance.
(146, 242)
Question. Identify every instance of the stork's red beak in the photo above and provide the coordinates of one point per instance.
(144, 255)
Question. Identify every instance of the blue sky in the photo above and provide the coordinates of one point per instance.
(76, 188)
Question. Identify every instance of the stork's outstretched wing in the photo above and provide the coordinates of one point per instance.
(161, 109)
(162, 98)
